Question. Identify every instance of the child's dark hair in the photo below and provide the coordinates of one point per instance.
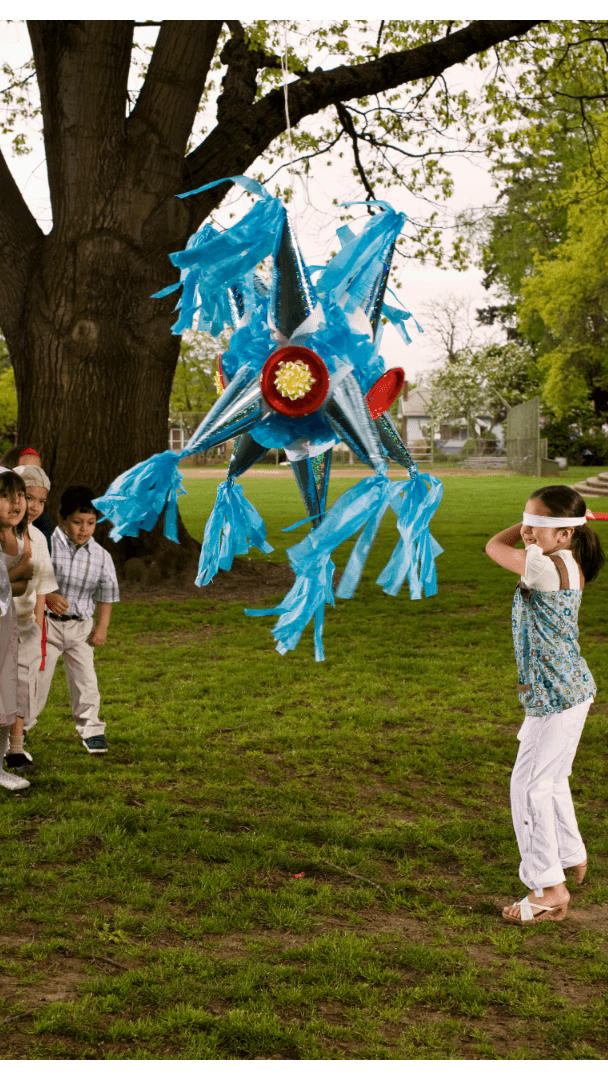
(563, 501)
(11, 484)
(77, 500)
(10, 457)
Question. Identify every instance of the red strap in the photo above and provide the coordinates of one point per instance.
(41, 668)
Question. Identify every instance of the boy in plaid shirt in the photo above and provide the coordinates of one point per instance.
(85, 577)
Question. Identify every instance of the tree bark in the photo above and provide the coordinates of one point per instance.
(93, 355)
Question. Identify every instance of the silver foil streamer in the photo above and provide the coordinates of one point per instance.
(312, 476)
(392, 441)
(292, 296)
(245, 454)
(350, 418)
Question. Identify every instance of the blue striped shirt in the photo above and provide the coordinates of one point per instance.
(85, 575)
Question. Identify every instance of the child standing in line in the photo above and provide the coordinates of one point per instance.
(86, 577)
(13, 521)
(29, 610)
(555, 687)
(25, 455)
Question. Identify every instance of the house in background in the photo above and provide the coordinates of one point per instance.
(414, 415)
(179, 436)
(414, 423)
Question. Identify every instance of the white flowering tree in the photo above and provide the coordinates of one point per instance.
(477, 386)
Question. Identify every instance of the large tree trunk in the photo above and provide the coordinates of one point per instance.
(94, 360)
(93, 354)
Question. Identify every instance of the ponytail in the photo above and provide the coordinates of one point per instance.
(563, 501)
(587, 551)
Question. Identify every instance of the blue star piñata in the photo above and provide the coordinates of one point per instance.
(303, 372)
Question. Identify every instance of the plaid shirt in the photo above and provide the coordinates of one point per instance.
(85, 575)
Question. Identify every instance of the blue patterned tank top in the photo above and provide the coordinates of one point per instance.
(552, 673)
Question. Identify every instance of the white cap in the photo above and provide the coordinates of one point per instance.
(33, 476)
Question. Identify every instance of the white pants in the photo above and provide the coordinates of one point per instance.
(70, 640)
(541, 803)
(29, 660)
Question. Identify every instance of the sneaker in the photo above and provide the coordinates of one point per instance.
(21, 763)
(96, 744)
(13, 783)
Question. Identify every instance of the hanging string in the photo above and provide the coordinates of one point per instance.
(285, 72)
(294, 172)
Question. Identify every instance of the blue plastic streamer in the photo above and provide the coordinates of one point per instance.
(363, 505)
(233, 528)
(303, 521)
(416, 550)
(233, 253)
(358, 557)
(407, 313)
(311, 562)
(398, 318)
(212, 261)
(137, 498)
(305, 600)
(353, 269)
(251, 344)
(212, 307)
(252, 186)
(345, 235)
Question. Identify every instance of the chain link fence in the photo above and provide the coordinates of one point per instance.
(527, 451)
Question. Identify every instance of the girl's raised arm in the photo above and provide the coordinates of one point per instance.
(501, 550)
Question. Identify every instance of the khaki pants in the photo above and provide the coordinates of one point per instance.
(70, 640)
(29, 659)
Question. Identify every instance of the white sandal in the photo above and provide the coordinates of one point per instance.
(526, 915)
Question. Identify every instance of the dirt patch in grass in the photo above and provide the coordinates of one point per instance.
(89, 848)
(499, 1032)
(249, 580)
(60, 982)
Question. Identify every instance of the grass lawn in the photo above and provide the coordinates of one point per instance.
(284, 859)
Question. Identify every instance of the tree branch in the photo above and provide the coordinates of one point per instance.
(20, 238)
(231, 148)
(239, 85)
(582, 97)
(347, 123)
(173, 87)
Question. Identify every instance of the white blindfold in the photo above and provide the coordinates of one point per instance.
(553, 522)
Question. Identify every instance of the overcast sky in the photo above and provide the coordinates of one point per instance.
(315, 217)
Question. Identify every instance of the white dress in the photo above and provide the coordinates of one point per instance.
(8, 651)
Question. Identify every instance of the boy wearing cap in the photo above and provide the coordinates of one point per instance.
(35, 565)
(86, 576)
